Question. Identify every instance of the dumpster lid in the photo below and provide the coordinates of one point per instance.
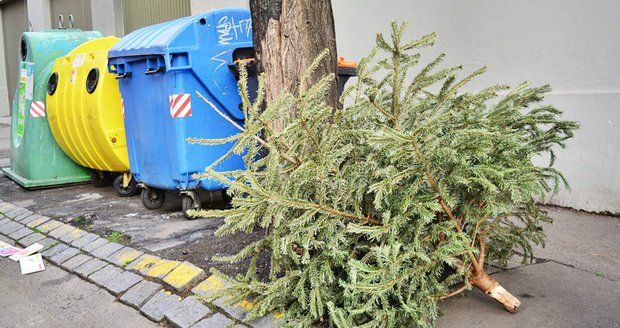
(159, 38)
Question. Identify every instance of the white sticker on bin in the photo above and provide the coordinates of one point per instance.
(78, 60)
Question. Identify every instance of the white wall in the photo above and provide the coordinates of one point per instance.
(573, 45)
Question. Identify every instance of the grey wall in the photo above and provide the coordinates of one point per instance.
(203, 6)
(108, 17)
(39, 14)
(5, 109)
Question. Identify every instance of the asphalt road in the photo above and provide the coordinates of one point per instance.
(55, 298)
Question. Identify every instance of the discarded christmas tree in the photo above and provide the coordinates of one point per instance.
(377, 211)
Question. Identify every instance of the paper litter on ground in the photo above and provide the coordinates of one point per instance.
(7, 250)
(26, 251)
(32, 263)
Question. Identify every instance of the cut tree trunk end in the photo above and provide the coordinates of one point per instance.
(489, 286)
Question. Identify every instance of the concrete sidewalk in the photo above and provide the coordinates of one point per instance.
(56, 298)
(575, 281)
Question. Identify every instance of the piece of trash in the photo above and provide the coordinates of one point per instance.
(32, 263)
(7, 250)
(26, 251)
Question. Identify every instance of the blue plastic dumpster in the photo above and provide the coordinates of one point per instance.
(160, 68)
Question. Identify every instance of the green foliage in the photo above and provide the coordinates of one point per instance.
(79, 220)
(377, 210)
(115, 236)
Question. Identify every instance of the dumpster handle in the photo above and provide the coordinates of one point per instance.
(122, 76)
(60, 20)
(152, 70)
(70, 21)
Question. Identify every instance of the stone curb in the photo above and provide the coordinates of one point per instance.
(143, 281)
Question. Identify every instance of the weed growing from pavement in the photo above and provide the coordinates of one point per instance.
(79, 220)
(115, 236)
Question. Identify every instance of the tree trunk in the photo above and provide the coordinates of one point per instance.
(288, 36)
(489, 286)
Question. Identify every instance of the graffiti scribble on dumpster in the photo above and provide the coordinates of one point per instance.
(222, 62)
(218, 58)
(228, 30)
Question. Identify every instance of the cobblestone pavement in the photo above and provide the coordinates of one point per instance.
(163, 290)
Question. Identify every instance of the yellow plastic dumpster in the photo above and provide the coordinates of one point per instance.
(85, 113)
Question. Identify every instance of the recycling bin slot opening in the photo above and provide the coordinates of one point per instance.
(52, 84)
(243, 53)
(243, 56)
(24, 49)
(246, 57)
(91, 80)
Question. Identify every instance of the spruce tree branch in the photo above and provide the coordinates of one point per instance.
(384, 112)
(442, 203)
(395, 86)
(454, 293)
(308, 132)
(473, 238)
(321, 208)
(482, 249)
(255, 137)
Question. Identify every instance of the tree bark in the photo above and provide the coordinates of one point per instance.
(288, 36)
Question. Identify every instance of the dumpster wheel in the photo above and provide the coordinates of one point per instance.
(125, 185)
(152, 198)
(100, 178)
(190, 202)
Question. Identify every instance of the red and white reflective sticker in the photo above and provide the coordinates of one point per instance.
(180, 105)
(37, 109)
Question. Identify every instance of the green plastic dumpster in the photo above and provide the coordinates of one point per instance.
(36, 159)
